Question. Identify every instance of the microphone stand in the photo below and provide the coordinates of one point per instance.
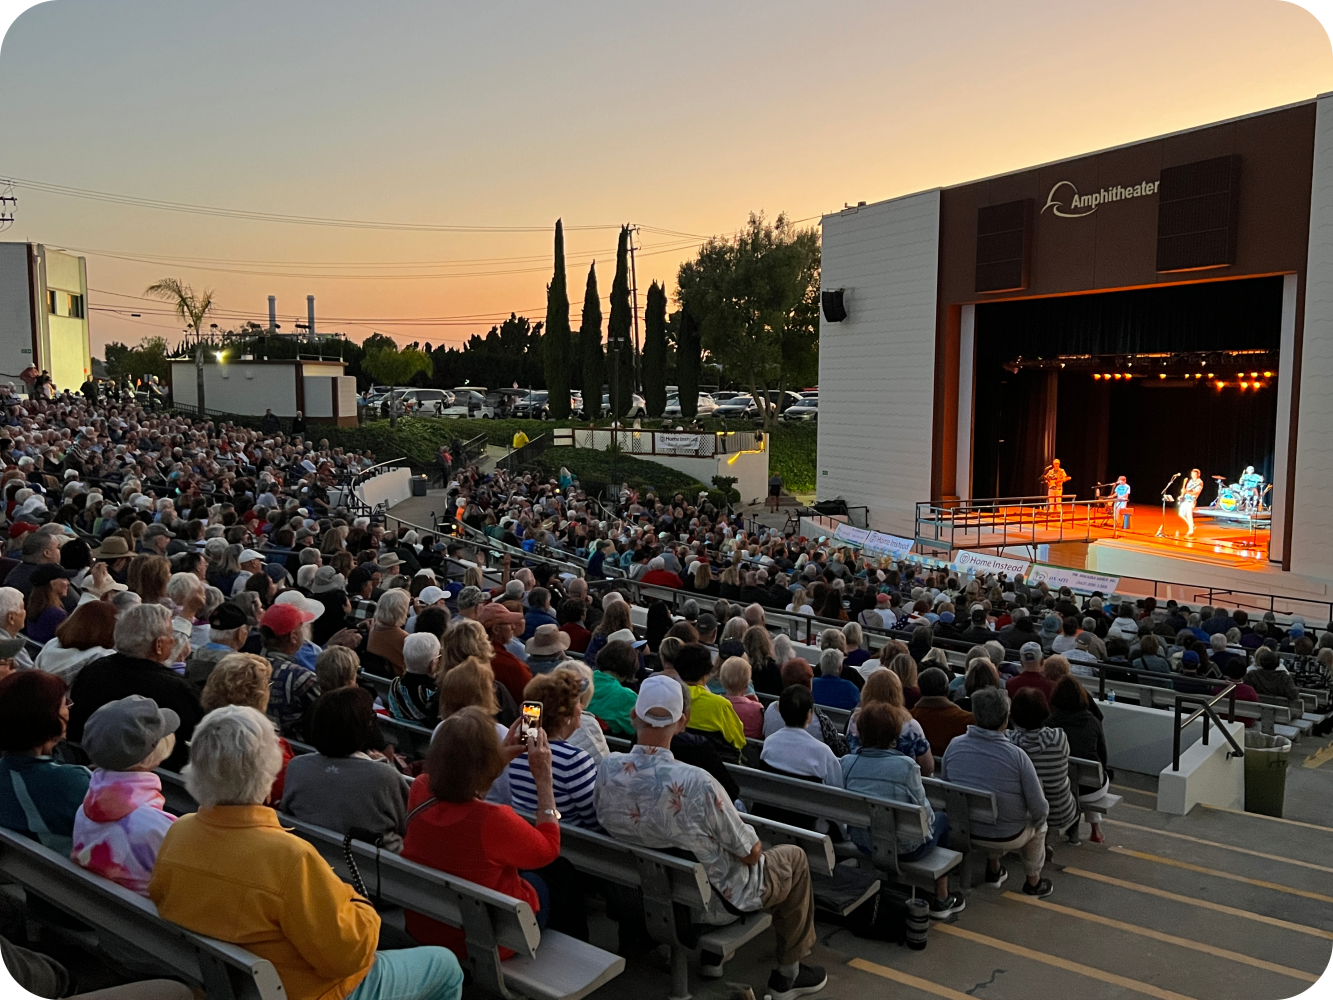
(1161, 528)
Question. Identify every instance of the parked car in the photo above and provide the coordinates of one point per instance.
(531, 404)
(806, 409)
(706, 406)
(744, 406)
(722, 395)
(468, 402)
(809, 393)
(427, 402)
(637, 407)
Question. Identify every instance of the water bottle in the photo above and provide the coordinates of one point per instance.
(1110, 697)
(918, 923)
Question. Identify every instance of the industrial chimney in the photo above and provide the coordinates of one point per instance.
(272, 315)
(310, 315)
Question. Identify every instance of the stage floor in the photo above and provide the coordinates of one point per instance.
(1214, 539)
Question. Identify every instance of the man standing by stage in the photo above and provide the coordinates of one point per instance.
(1189, 496)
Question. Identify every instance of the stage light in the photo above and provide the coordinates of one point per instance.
(1243, 384)
(1161, 376)
(1210, 374)
(1254, 374)
(1268, 374)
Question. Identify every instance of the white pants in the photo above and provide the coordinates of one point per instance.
(1030, 845)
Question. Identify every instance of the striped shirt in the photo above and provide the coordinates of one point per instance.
(573, 774)
(1049, 751)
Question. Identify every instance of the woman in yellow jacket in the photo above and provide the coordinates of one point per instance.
(232, 872)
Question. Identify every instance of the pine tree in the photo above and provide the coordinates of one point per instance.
(688, 362)
(653, 365)
(590, 347)
(618, 341)
(556, 339)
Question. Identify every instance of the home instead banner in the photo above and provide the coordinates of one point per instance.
(1076, 580)
(984, 562)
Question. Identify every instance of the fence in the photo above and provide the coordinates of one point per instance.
(678, 443)
(989, 524)
(528, 452)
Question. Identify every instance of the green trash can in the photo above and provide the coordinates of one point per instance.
(1265, 772)
(419, 486)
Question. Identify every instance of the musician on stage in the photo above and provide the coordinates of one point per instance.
(1120, 506)
(1251, 483)
(1055, 478)
(1189, 496)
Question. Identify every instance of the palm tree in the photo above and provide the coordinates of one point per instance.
(190, 305)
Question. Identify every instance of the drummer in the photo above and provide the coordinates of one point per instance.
(1250, 485)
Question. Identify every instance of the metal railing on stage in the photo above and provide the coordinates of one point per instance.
(1000, 523)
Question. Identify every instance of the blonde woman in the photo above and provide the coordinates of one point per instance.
(884, 686)
(243, 679)
(462, 639)
(589, 736)
(800, 602)
(905, 667)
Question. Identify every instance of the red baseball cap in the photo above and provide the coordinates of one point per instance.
(284, 619)
(22, 528)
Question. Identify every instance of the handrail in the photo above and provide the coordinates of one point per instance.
(535, 446)
(1206, 711)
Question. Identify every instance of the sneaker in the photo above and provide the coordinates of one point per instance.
(1042, 889)
(1073, 839)
(941, 908)
(996, 879)
(809, 979)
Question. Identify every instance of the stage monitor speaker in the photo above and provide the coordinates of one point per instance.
(831, 508)
(1198, 205)
(835, 311)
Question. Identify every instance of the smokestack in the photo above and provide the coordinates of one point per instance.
(310, 315)
(272, 314)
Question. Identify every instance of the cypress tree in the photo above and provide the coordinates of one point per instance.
(556, 339)
(689, 356)
(590, 347)
(653, 365)
(618, 332)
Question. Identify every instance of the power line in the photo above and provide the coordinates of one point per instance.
(278, 217)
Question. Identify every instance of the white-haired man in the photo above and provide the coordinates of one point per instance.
(145, 645)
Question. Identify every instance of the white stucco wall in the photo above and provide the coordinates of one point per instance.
(1312, 521)
(238, 387)
(877, 367)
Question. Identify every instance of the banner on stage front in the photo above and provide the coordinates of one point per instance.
(983, 562)
(1075, 579)
(678, 443)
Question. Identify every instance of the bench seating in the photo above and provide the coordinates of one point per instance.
(1089, 774)
(224, 971)
(882, 817)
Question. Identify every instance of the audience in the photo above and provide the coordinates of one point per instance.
(1070, 712)
(612, 699)
(792, 749)
(1048, 749)
(573, 770)
(230, 871)
(939, 718)
(88, 634)
(735, 677)
(829, 688)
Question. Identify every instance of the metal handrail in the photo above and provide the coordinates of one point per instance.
(535, 446)
(1206, 711)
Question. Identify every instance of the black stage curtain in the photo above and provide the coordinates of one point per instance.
(1106, 430)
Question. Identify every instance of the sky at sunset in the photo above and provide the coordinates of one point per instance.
(500, 117)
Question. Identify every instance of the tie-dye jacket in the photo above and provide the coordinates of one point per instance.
(120, 826)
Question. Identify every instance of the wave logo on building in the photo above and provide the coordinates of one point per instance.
(1065, 201)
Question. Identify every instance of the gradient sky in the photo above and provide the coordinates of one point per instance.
(681, 117)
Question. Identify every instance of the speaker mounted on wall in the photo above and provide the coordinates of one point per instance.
(835, 310)
(1198, 208)
(1004, 246)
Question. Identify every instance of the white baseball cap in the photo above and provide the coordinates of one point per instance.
(248, 555)
(626, 635)
(431, 595)
(664, 694)
(310, 607)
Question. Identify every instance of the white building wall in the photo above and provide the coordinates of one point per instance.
(877, 367)
(1312, 521)
(238, 387)
(319, 397)
(15, 311)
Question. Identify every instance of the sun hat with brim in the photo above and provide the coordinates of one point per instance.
(10, 648)
(284, 619)
(498, 614)
(327, 578)
(548, 640)
(626, 635)
(388, 560)
(114, 547)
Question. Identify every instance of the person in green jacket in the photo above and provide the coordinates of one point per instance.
(612, 701)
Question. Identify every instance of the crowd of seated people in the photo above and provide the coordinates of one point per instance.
(179, 594)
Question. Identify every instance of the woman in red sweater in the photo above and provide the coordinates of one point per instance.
(450, 827)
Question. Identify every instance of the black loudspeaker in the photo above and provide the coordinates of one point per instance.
(831, 508)
(834, 310)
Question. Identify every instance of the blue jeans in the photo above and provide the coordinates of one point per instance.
(425, 973)
(939, 834)
(538, 884)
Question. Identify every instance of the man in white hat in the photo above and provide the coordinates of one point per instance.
(638, 798)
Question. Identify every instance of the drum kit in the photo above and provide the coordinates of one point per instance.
(1235, 498)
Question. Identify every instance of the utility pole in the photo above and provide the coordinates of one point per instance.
(634, 307)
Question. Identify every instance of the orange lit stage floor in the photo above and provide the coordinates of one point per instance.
(1072, 529)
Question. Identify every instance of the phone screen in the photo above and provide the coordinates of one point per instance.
(532, 719)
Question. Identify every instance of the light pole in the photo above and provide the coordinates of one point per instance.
(616, 343)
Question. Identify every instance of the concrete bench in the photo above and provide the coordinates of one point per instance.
(882, 817)
(224, 971)
(547, 965)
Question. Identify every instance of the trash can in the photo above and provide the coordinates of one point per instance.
(419, 486)
(1265, 772)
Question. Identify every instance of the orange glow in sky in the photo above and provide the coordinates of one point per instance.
(681, 118)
